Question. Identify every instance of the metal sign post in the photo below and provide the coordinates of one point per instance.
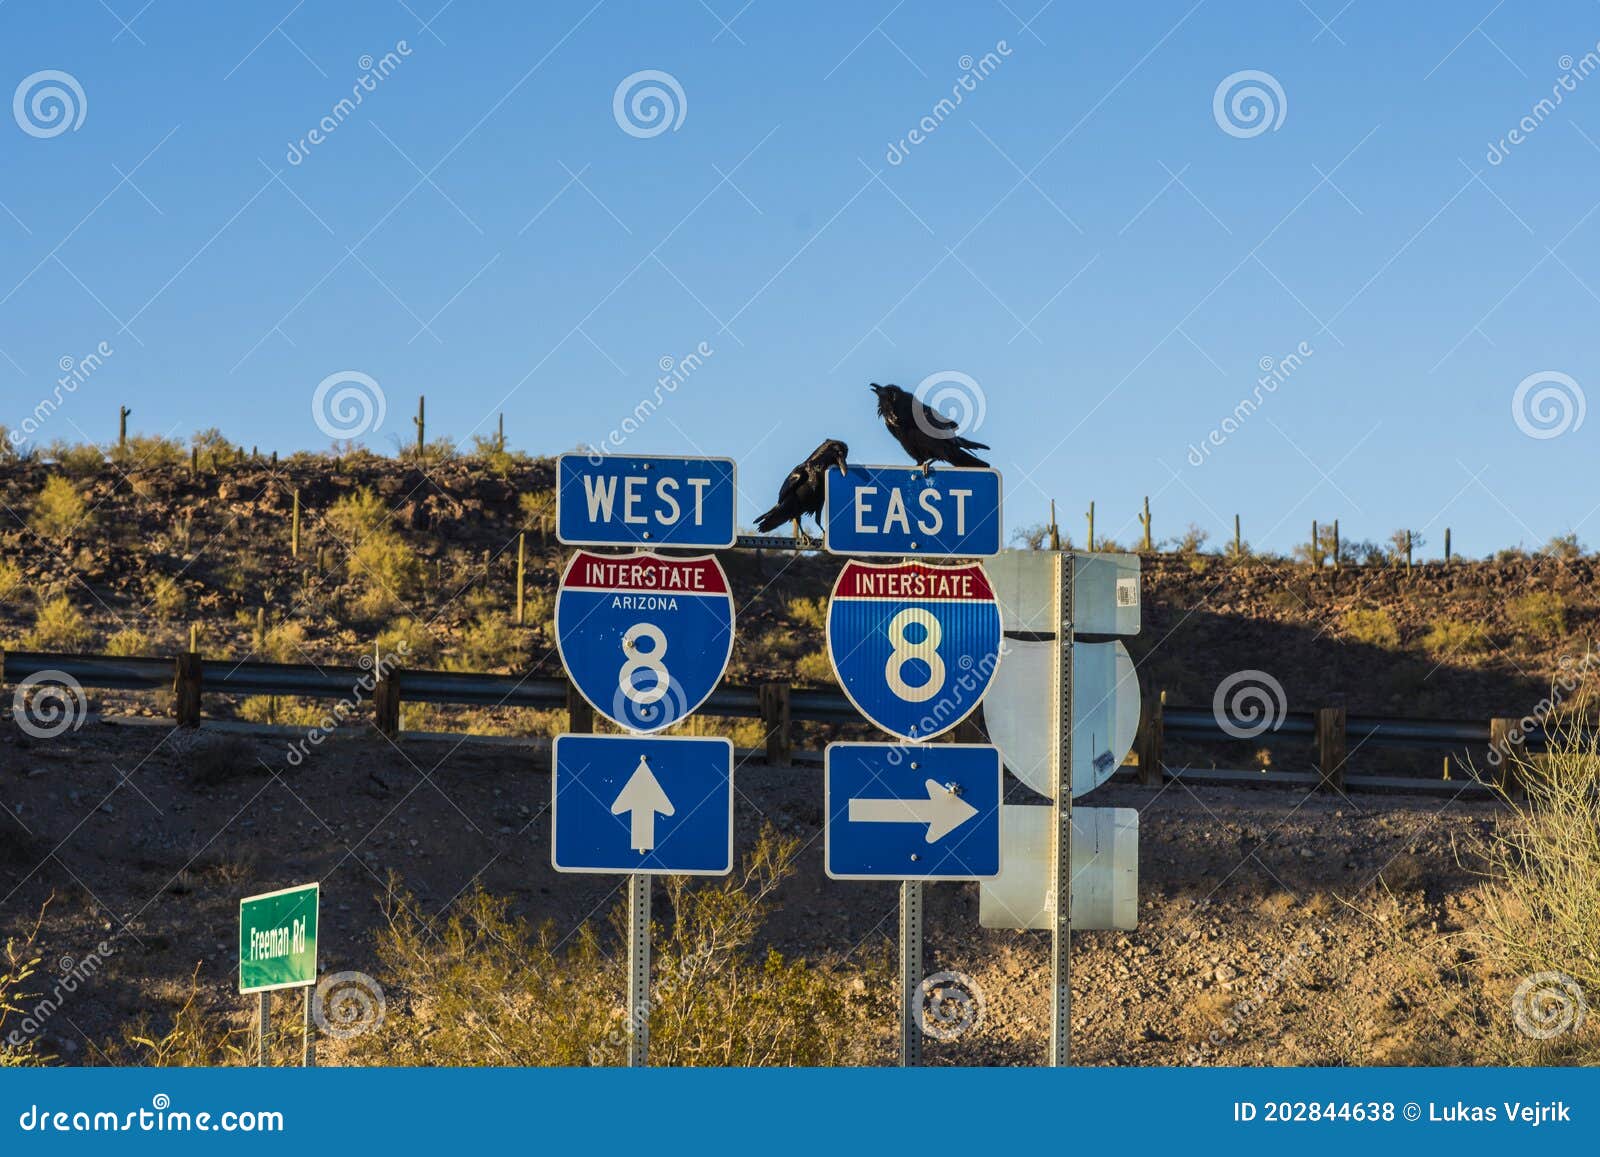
(910, 971)
(1061, 850)
(638, 970)
(308, 1050)
(263, 1026)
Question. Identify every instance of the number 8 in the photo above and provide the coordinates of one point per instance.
(905, 650)
(649, 661)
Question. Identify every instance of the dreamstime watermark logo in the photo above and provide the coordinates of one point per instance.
(1547, 1004)
(972, 73)
(948, 1004)
(71, 974)
(48, 103)
(1572, 72)
(1273, 375)
(1249, 703)
(48, 704)
(1569, 680)
(348, 404)
(373, 72)
(952, 395)
(348, 1004)
(674, 372)
(74, 372)
(648, 103)
(1249, 102)
(1548, 404)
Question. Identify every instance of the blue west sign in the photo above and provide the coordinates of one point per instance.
(612, 500)
(912, 812)
(654, 805)
(900, 511)
(644, 638)
(914, 645)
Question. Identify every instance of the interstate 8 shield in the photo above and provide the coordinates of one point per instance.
(914, 645)
(644, 638)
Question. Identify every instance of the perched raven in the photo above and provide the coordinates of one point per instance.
(925, 434)
(803, 491)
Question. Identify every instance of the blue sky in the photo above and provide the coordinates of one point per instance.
(1080, 237)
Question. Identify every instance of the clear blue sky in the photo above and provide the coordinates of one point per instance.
(1079, 236)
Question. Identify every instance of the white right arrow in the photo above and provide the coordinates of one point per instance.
(943, 811)
(643, 797)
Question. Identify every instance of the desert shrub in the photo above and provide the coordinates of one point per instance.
(283, 643)
(1542, 614)
(1189, 542)
(811, 613)
(478, 986)
(538, 507)
(11, 580)
(1034, 537)
(814, 668)
(489, 643)
(410, 640)
(129, 642)
(386, 571)
(18, 963)
(60, 626)
(148, 452)
(1398, 542)
(1372, 627)
(1450, 638)
(358, 514)
(78, 460)
(195, 1038)
(212, 449)
(438, 450)
(59, 509)
(496, 458)
(1542, 911)
(215, 759)
(166, 597)
(283, 711)
(1565, 547)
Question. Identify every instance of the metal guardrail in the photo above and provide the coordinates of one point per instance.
(778, 705)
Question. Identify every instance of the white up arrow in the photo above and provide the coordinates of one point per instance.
(943, 811)
(643, 797)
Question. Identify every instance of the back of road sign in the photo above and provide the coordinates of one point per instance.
(1105, 870)
(638, 500)
(949, 512)
(656, 806)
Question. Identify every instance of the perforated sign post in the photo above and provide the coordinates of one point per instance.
(914, 646)
(637, 500)
(278, 949)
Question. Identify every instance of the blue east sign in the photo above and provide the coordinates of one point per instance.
(611, 500)
(901, 511)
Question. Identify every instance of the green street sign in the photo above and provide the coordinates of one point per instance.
(278, 939)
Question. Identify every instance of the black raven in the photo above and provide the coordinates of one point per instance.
(803, 490)
(925, 434)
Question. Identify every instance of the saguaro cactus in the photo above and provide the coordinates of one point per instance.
(421, 421)
(1144, 521)
(1090, 513)
(122, 426)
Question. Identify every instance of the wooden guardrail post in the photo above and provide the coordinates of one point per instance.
(386, 701)
(1331, 747)
(186, 681)
(774, 701)
(1500, 739)
(580, 716)
(1152, 732)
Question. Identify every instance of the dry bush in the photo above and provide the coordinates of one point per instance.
(1540, 614)
(11, 580)
(815, 668)
(1542, 914)
(59, 510)
(386, 571)
(19, 961)
(492, 642)
(60, 626)
(811, 613)
(194, 1038)
(410, 639)
(480, 987)
(166, 597)
(128, 642)
(1374, 628)
(1455, 638)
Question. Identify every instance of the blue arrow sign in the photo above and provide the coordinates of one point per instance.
(912, 812)
(899, 510)
(914, 645)
(611, 500)
(660, 806)
(644, 638)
